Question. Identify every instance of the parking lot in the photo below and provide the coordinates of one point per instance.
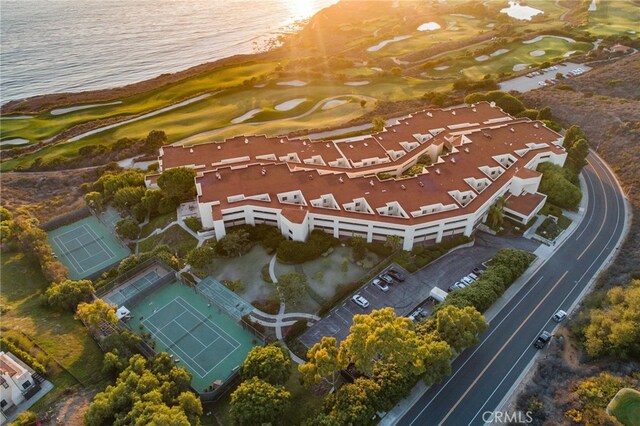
(405, 296)
(524, 83)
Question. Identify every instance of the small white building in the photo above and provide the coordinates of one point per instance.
(16, 383)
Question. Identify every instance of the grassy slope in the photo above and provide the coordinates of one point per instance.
(179, 240)
(626, 407)
(59, 334)
(614, 17)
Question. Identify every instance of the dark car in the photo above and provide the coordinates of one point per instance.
(396, 274)
(542, 339)
(478, 271)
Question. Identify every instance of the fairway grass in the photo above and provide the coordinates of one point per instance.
(614, 18)
(62, 337)
(625, 407)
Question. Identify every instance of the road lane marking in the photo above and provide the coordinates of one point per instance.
(573, 288)
(533, 286)
(484, 370)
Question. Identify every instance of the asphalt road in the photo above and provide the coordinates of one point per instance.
(482, 375)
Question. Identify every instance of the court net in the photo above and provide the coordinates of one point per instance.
(223, 298)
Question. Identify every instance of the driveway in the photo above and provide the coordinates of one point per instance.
(404, 297)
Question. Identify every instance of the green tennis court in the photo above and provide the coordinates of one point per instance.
(86, 247)
(199, 336)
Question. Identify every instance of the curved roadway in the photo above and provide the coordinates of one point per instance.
(484, 374)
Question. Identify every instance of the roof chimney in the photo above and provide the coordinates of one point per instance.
(466, 149)
(437, 171)
(404, 188)
(453, 113)
(246, 140)
(340, 179)
(420, 183)
(453, 160)
(219, 147)
(512, 130)
(372, 183)
(218, 176)
(263, 172)
(191, 150)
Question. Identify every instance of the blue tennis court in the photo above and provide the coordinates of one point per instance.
(86, 247)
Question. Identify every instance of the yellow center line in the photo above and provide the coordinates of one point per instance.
(502, 348)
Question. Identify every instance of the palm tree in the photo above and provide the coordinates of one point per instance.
(495, 216)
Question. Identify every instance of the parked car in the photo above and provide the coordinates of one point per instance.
(559, 316)
(478, 270)
(542, 340)
(458, 285)
(387, 278)
(396, 274)
(466, 280)
(360, 301)
(378, 283)
(473, 276)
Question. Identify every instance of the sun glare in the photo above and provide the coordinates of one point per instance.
(300, 9)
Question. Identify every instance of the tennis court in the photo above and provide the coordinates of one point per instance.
(199, 336)
(86, 247)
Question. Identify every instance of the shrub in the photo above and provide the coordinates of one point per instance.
(270, 306)
(296, 330)
(299, 252)
(193, 223)
(8, 346)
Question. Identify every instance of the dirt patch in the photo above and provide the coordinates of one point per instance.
(45, 194)
(70, 410)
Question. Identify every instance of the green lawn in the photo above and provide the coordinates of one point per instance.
(157, 222)
(178, 240)
(614, 17)
(61, 336)
(626, 407)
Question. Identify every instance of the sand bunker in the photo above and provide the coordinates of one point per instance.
(569, 53)
(61, 111)
(537, 39)
(491, 25)
(441, 68)
(293, 83)
(499, 52)
(463, 16)
(16, 117)
(14, 142)
(289, 105)
(246, 116)
(384, 43)
(520, 67)
(429, 26)
(537, 53)
(356, 83)
(260, 86)
(334, 103)
(454, 29)
(377, 69)
(482, 58)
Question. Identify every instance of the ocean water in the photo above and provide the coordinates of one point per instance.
(53, 46)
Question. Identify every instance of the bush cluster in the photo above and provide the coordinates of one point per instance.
(505, 268)
(8, 346)
(303, 251)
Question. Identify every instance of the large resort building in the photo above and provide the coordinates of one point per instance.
(462, 160)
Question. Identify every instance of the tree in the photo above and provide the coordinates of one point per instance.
(94, 313)
(271, 363)
(545, 114)
(459, 327)
(495, 215)
(378, 124)
(292, 286)
(128, 228)
(572, 134)
(191, 406)
(363, 103)
(257, 402)
(577, 154)
(394, 242)
(394, 385)
(323, 362)
(94, 200)
(613, 328)
(128, 196)
(151, 201)
(437, 362)
(382, 337)
(200, 257)
(396, 71)
(178, 183)
(154, 140)
(355, 403)
(560, 191)
(235, 243)
(358, 248)
(66, 295)
(25, 418)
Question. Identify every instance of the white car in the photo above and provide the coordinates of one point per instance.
(466, 280)
(382, 286)
(360, 301)
(559, 316)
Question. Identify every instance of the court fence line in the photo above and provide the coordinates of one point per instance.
(66, 219)
(108, 226)
(130, 273)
